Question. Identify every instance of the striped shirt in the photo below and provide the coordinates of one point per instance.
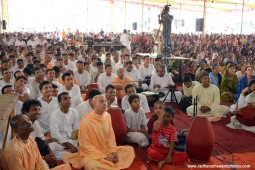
(164, 136)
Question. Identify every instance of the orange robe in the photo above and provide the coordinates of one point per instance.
(123, 83)
(20, 156)
(96, 142)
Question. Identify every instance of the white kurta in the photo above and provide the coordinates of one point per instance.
(104, 80)
(146, 71)
(4, 83)
(37, 131)
(83, 79)
(208, 97)
(62, 125)
(143, 100)
(46, 112)
(164, 82)
(84, 108)
(70, 66)
(74, 93)
(188, 91)
(134, 121)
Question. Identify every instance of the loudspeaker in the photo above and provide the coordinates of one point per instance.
(4, 24)
(199, 24)
(134, 26)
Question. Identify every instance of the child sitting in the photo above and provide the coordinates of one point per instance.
(159, 110)
(136, 122)
(163, 138)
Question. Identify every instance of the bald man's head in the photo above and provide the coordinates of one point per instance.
(99, 104)
(21, 124)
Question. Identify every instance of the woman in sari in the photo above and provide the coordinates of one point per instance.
(229, 84)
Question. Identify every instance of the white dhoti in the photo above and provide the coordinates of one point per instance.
(137, 137)
(219, 111)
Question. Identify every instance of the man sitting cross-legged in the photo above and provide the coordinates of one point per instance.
(22, 152)
(64, 123)
(97, 145)
(208, 99)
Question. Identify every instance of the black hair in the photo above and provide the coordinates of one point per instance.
(79, 62)
(107, 65)
(43, 84)
(169, 109)
(27, 105)
(7, 86)
(204, 73)
(251, 83)
(100, 63)
(187, 78)
(62, 94)
(127, 87)
(93, 93)
(133, 97)
(65, 75)
(110, 86)
(54, 86)
(21, 77)
(129, 63)
(50, 69)
(56, 69)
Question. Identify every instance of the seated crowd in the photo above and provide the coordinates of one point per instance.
(60, 116)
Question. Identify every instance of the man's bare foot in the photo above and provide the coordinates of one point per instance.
(160, 164)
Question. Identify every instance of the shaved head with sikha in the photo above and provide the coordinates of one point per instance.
(99, 104)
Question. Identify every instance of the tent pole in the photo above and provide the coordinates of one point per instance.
(242, 17)
(204, 16)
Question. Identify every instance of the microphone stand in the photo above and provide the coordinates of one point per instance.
(195, 107)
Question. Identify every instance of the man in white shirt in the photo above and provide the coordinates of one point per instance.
(49, 105)
(161, 81)
(36, 82)
(93, 65)
(87, 106)
(116, 63)
(72, 89)
(20, 42)
(81, 75)
(9, 41)
(133, 73)
(110, 95)
(105, 78)
(50, 76)
(65, 122)
(6, 78)
(32, 42)
(32, 109)
(68, 65)
(124, 39)
(146, 69)
(130, 89)
(8, 89)
(208, 99)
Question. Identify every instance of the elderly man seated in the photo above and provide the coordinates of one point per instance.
(22, 152)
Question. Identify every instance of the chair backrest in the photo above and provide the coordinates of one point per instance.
(90, 87)
(118, 124)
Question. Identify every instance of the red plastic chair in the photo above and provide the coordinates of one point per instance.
(90, 87)
(119, 125)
